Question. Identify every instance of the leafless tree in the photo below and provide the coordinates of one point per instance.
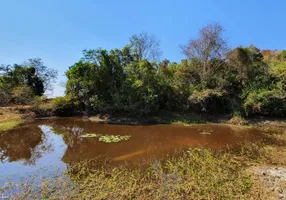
(146, 46)
(208, 51)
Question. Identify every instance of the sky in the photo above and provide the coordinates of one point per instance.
(58, 30)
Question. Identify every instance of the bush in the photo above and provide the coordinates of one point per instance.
(43, 109)
(64, 106)
(208, 101)
(23, 95)
(5, 97)
(237, 119)
(270, 103)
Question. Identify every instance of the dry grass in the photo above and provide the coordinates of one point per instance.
(9, 119)
(8, 114)
(237, 121)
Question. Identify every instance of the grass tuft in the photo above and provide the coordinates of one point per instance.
(8, 125)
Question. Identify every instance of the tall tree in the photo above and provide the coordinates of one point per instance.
(145, 46)
(45, 74)
(208, 51)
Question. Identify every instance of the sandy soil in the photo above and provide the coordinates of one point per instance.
(272, 178)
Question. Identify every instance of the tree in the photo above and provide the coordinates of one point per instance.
(96, 77)
(247, 61)
(145, 46)
(18, 75)
(208, 51)
(32, 73)
(45, 74)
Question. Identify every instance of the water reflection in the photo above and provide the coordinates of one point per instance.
(58, 142)
(24, 144)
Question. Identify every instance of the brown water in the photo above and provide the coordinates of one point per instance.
(56, 143)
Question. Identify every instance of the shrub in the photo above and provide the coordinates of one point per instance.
(64, 106)
(208, 101)
(43, 109)
(237, 119)
(23, 95)
(266, 103)
(5, 97)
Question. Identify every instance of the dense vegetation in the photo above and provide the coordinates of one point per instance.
(133, 80)
(212, 79)
(22, 83)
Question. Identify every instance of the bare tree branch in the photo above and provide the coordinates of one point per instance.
(209, 47)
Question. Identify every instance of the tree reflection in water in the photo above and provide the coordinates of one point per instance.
(27, 144)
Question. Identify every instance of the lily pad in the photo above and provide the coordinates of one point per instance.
(90, 135)
(113, 138)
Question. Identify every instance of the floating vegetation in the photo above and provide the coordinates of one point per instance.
(106, 138)
(113, 138)
(206, 132)
(90, 135)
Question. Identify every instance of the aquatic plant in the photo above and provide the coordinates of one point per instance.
(106, 138)
(90, 135)
(113, 138)
(205, 132)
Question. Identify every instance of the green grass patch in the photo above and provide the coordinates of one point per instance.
(197, 174)
(6, 126)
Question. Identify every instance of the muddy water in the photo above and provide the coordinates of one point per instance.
(57, 142)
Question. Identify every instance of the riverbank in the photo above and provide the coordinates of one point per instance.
(11, 117)
(189, 119)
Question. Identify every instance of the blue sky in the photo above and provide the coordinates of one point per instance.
(58, 30)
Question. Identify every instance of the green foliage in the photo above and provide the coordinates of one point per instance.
(32, 74)
(207, 100)
(132, 80)
(64, 106)
(266, 102)
(23, 95)
(117, 81)
(5, 96)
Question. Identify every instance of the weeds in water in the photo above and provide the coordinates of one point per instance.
(37, 186)
(196, 174)
(90, 135)
(113, 138)
(206, 132)
(107, 138)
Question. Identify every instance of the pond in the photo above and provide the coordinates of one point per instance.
(57, 143)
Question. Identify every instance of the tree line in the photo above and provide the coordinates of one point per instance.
(211, 79)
